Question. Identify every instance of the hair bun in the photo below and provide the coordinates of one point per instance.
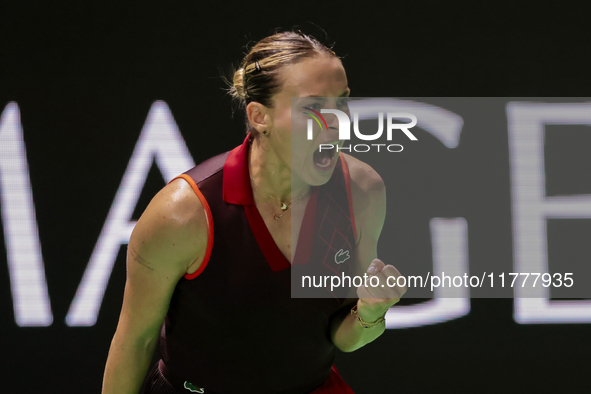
(237, 89)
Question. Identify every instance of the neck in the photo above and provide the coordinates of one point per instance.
(272, 173)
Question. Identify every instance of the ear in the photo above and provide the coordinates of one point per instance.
(258, 116)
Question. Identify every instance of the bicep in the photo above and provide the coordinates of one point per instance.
(371, 225)
(371, 221)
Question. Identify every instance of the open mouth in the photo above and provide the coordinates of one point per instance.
(324, 158)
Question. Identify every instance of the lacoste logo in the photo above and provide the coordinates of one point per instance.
(341, 256)
(192, 388)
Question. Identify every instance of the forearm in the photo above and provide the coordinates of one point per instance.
(127, 364)
(348, 335)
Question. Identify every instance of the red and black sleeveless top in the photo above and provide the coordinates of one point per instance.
(232, 326)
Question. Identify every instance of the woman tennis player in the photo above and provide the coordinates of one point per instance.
(209, 262)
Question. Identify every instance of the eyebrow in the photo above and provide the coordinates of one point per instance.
(344, 94)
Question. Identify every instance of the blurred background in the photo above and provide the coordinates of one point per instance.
(103, 103)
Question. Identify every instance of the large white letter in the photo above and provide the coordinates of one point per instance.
(450, 255)
(160, 139)
(531, 207)
(25, 262)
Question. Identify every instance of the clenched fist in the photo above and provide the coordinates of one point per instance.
(379, 292)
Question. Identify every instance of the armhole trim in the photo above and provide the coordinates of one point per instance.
(209, 225)
(349, 195)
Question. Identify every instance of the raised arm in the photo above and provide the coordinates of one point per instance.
(369, 198)
(168, 241)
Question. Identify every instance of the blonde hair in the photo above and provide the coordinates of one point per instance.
(257, 78)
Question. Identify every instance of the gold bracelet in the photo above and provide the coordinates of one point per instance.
(364, 323)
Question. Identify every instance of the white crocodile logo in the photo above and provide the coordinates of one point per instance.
(338, 257)
(192, 388)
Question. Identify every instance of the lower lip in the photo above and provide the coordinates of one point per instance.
(329, 167)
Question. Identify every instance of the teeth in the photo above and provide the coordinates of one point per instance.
(325, 165)
(333, 153)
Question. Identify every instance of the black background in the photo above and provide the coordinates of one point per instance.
(84, 75)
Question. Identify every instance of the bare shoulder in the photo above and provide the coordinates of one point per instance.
(366, 184)
(179, 201)
(368, 192)
(173, 228)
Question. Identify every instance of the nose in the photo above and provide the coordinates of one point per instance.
(331, 120)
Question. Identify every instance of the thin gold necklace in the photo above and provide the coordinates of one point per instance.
(284, 207)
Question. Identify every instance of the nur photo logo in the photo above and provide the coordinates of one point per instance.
(344, 126)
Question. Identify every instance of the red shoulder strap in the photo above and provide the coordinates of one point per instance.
(209, 224)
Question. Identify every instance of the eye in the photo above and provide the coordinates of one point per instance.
(315, 106)
(343, 102)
